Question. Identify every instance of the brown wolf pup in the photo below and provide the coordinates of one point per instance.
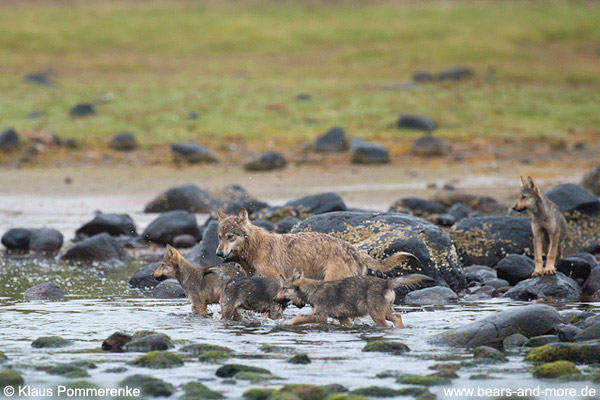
(347, 298)
(254, 294)
(318, 255)
(199, 288)
(548, 224)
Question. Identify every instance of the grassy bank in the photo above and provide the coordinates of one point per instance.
(240, 66)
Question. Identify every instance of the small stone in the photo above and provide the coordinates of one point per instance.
(158, 359)
(116, 341)
(45, 291)
(230, 370)
(429, 146)
(145, 341)
(9, 140)
(75, 369)
(381, 346)
(489, 355)
(417, 122)
(123, 141)
(148, 386)
(540, 340)
(8, 377)
(213, 356)
(266, 162)
(514, 340)
(51, 342)
(299, 359)
(82, 110)
(334, 140)
(199, 391)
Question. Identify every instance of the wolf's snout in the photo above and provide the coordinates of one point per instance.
(220, 253)
(517, 208)
(159, 278)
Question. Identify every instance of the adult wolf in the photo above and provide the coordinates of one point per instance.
(273, 255)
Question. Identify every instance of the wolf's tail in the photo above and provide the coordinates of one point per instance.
(387, 264)
(412, 281)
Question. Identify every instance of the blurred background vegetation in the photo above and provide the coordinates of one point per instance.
(241, 64)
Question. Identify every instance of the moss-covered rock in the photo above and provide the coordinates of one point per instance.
(158, 359)
(8, 377)
(148, 385)
(81, 385)
(254, 377)
(199, 391)
(489, 355)
(581, 353)
(335, 388)
(203, 348)
(556, 369)
(440, 366)
(541, 340)
(50, 342)
(575, 319)
(479, 377)
(346, 396)
(301, 392)
(383, 346)
(375, 391)
(230, 370)
(269, 348)
(418, 393)
(299, 359)
(447, 373)
(75, 369)
(257, 394)
(213, 356)
(144, 341)
(425, 380)
(3, 357)
(116, 370)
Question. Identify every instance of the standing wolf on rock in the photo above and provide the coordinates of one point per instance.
(273, 255)
(548, 224)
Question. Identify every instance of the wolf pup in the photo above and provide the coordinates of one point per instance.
(348, 298)
(318, 255)
(199, 288)
(254, 294)
(548, 224)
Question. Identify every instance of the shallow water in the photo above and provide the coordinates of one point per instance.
(100, 303)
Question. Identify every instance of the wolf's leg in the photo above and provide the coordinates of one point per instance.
(306, 319)
(551, 257)
(379, 318)
(345, 321)
(200, 307)
(538, 251)
(560, 250)
(396, 319)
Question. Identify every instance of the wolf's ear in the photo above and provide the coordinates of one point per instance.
(173, 254)
(242, 215)
(221, 214)
(524, 182)
(298, 277)
(533, 186)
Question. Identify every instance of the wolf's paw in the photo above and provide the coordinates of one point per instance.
(537, 273)
(287, 322)
(550, 271)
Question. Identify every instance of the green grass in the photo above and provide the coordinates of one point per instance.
(240, 66)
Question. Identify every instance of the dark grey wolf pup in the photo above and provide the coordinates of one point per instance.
(252, 293)
(347, 298)
(199, 287)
